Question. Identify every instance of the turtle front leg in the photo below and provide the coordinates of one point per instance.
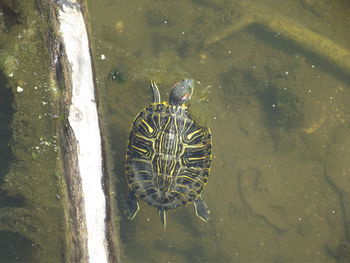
(201, 209)
(132, 206)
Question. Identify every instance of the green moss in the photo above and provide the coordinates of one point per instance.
(118, 76)
(33, 169)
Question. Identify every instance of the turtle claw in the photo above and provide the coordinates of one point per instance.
(132, 206)
(201, 209)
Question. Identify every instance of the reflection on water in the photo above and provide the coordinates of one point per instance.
(279, 116)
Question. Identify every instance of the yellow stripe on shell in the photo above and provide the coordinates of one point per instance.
(189, 136)
(187, 177)
(198, 158)
(150, 129)
(139, 149)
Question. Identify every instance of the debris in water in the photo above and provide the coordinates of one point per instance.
(119, 26)
(118, 76)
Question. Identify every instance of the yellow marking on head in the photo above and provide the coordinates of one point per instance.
(167, 104)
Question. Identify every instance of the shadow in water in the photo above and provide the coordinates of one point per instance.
(118, 145)
(14, 248)
(11, 14)
(6, 156)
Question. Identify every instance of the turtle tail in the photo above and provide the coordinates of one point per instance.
(162, 214)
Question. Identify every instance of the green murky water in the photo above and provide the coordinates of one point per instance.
(279, 114)
(276, 104)
(31, 218)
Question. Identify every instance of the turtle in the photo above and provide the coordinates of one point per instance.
(169, 154)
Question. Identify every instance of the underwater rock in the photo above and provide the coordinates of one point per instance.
(257, 196)
(20, 221)
(282, 107)
(338, 172)
(157, 17)
(341, 252)
(6, 115)
(338, 165)
(10, 14)
(316, 7)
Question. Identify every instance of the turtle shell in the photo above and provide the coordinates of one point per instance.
(168, 156)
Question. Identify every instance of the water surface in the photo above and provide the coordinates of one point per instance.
(277, 108)
(278, 112)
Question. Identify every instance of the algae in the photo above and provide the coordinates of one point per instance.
(32, 175)
(118, 76)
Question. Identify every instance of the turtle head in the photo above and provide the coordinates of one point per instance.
(181, 92)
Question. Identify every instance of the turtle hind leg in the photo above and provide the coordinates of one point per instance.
(132, 206)
(155, 91)
(201, 209)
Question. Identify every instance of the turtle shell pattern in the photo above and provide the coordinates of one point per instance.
(168, 156)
